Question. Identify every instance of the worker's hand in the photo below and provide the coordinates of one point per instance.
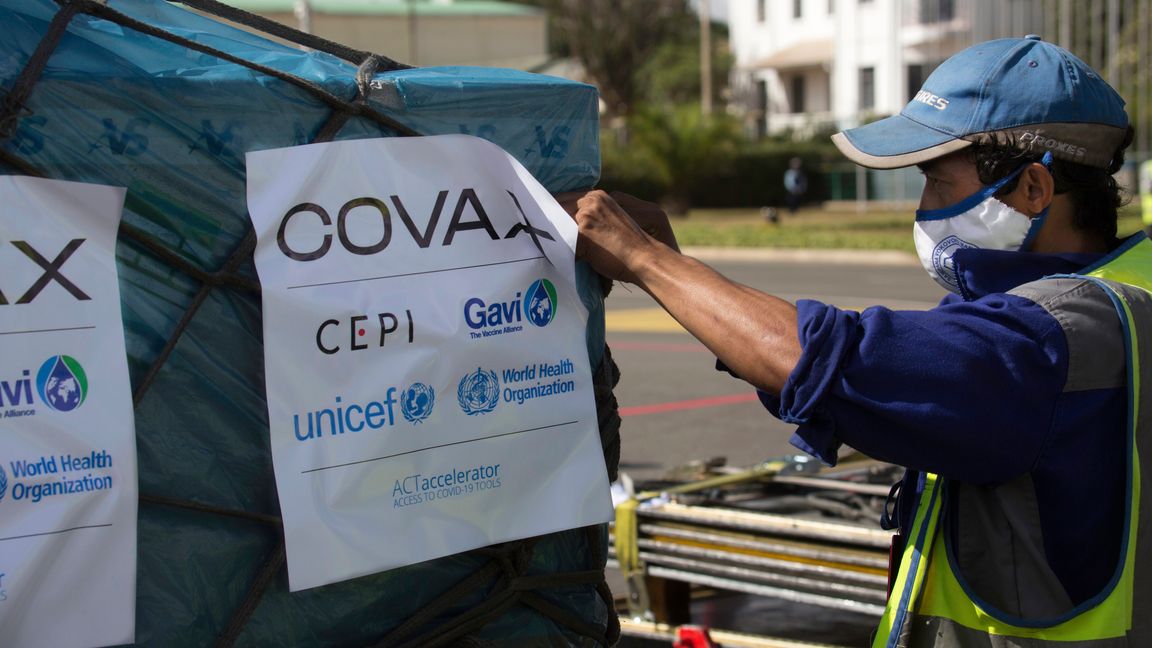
(610, 239)
(648, 216)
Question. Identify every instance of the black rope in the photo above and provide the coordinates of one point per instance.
(511, 583)
(561, 579)
(598, 553)
(328, 131)
(93, 7)
(513, 561)
(281, 30)
(20, 164)
(220, 278)
(206, 508)
(564, 617)
(608, 411)
(251, 601)
(14, 101)
(366, 71)
(437, 606)
(241, 254)
(259, 586)
(142, 239)
(508, 562)
(470, 620)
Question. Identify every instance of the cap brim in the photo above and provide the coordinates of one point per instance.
(895, 142)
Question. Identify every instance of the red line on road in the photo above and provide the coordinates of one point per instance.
(659, 346)
(696, 403)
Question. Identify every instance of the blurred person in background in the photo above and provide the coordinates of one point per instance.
(795, 184)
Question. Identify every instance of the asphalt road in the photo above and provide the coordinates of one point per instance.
(677, 408)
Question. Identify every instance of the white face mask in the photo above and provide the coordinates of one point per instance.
(978, 221)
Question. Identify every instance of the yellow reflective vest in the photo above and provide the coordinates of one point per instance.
(931, 603)
(1144, 182)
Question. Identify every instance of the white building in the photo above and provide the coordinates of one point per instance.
(813, 67)
(421, 32)
(804, 66)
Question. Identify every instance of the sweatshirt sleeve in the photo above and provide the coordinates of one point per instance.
(931, 390)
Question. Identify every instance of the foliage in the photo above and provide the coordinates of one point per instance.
(1132, 63)
(814, 228)
(809, 229)
(613, 38)
(672, 73)
(671, 148)
(684, 162)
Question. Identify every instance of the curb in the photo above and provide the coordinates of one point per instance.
(857, 257)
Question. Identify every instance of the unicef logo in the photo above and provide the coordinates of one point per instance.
(3, 483)
(942, 261)
(417, 401)
(540, 302)
(62, 383)
(478, 392)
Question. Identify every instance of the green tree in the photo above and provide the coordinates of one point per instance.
(676, 146)
(672, 73)
(612, 39)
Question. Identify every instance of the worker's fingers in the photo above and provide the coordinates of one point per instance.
(568, 200)
(649, 216)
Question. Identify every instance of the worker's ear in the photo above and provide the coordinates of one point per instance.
(1034, 190)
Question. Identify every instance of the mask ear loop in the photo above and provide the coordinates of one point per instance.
(1038, 219)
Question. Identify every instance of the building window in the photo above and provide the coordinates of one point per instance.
(761, 10)
(867, 88)
(797, 8)
(917, 74)
(762, 107)
(933, 11)
(798, 94)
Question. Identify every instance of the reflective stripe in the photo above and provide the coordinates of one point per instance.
(937, 632)
(1135, 268)
(944, 614)
(894, 626)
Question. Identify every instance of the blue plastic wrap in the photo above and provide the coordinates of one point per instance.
(117, 106)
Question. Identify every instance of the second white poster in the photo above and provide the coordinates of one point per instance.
(429, 390)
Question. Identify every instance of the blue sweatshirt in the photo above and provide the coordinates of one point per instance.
(971, 390)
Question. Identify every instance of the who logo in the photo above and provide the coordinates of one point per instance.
(3, 483)
(478, 392)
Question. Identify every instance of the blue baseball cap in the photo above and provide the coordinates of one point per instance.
(1018, 92)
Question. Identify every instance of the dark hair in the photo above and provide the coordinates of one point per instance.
(1094, 192)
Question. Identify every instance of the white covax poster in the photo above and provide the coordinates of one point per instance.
(68, 492)
(428, 382)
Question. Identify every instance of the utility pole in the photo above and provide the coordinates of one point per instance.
(303, 11)
(705, 58)
(412, 30)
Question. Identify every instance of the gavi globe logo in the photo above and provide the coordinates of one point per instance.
(537, 305)
(540, 302)
(62, 383)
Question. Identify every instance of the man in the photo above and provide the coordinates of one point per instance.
(1014, 404)
(795, 184)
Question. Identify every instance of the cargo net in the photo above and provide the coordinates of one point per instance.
(504, 574)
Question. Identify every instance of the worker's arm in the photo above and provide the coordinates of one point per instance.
(751, 332)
